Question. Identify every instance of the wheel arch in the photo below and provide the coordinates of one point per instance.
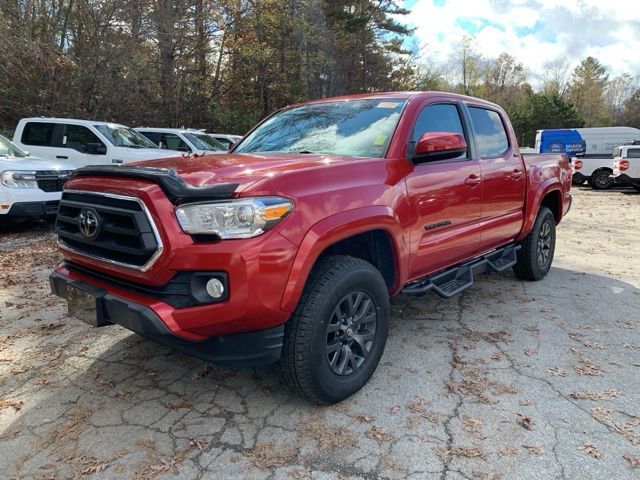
(370, 233)
(549, 195)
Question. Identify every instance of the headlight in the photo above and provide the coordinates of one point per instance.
(18, 179)
(241, 218)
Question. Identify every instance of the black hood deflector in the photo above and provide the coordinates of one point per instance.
(176, 189)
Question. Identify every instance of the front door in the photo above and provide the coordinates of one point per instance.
(446, 196)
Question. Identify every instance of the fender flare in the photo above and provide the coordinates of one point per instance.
(338, 227)
(533, 206)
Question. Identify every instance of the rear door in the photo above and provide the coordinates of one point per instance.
(42, 139)
(446, 196)
(503, 176)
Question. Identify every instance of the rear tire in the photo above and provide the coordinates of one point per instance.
(335, 338)
(577, 179)
(601, 179)
(536, 253)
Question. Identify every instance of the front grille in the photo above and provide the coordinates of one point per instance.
(124, 233)
(52, 181)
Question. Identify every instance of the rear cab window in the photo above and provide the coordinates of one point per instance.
(39, 134)
(633, 153)
(490, 134)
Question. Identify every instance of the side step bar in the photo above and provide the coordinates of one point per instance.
(454, 280)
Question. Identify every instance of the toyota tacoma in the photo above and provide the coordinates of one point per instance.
(287, 248)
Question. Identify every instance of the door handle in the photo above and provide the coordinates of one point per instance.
(473, 180)
(62, 157)
(516, 174)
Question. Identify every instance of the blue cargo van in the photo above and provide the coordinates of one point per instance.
(563, 140)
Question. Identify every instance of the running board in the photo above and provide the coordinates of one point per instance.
(454, 280)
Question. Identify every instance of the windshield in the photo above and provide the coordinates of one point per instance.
(360, 128)
(204, 142)
(10, 149)
(121, 136)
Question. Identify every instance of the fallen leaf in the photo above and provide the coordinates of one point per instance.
(196, 442)
(377, 434)
(508, 452)
(591, 450)
(177, 405)
(534, 450)
(395, 409)
(557, 372)
(525, 421)
(633, 461)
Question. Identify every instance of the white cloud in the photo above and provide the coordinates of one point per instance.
(534, 31)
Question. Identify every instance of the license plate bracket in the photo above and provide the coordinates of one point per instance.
(83, 302)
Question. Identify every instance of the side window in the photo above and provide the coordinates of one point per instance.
(441, 117)
(225, 141)
(77, 137)
(153, 136)
(633, 153)
(171, 141)
(39, 134)
(491, 137)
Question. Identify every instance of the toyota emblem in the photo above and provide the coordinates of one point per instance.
(89, 223)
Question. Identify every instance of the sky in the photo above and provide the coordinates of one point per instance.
(534, 31)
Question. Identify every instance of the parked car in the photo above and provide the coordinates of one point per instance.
(287, 248)
(626, 165)
(595, 171)
(182, 140)
(29, 186)
(84, 142)
(226, 140)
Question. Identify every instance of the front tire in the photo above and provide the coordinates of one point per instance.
(335, 338)
(601, 179)
(536, 253)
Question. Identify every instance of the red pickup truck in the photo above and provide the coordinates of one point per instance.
(288, 248)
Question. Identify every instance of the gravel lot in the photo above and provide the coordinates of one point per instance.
(508, 380)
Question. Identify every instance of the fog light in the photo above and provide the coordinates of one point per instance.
(215, 288)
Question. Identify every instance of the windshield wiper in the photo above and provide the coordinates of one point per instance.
(307, 152)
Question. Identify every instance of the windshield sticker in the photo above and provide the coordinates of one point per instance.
(388, 104)
(380, 139)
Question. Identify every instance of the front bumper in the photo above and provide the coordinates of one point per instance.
(624, 179)
(26, 210)
(238, 350)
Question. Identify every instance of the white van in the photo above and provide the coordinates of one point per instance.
(182, 140)
(85, 142)
(30, 187)
(626, 165)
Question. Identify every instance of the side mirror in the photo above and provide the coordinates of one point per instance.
(439, 146)
(96, 149)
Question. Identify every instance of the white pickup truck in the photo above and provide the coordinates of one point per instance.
(85, 142)
(626, 165)
(596, 171)
(29, 186)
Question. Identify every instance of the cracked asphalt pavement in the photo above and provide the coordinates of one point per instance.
(509, 380)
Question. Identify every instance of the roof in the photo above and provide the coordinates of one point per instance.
(168, 130)
(401, 96)
(70, 120)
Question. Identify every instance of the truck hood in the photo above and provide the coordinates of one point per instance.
(33, 163)
(243, 168)
(140, 154)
